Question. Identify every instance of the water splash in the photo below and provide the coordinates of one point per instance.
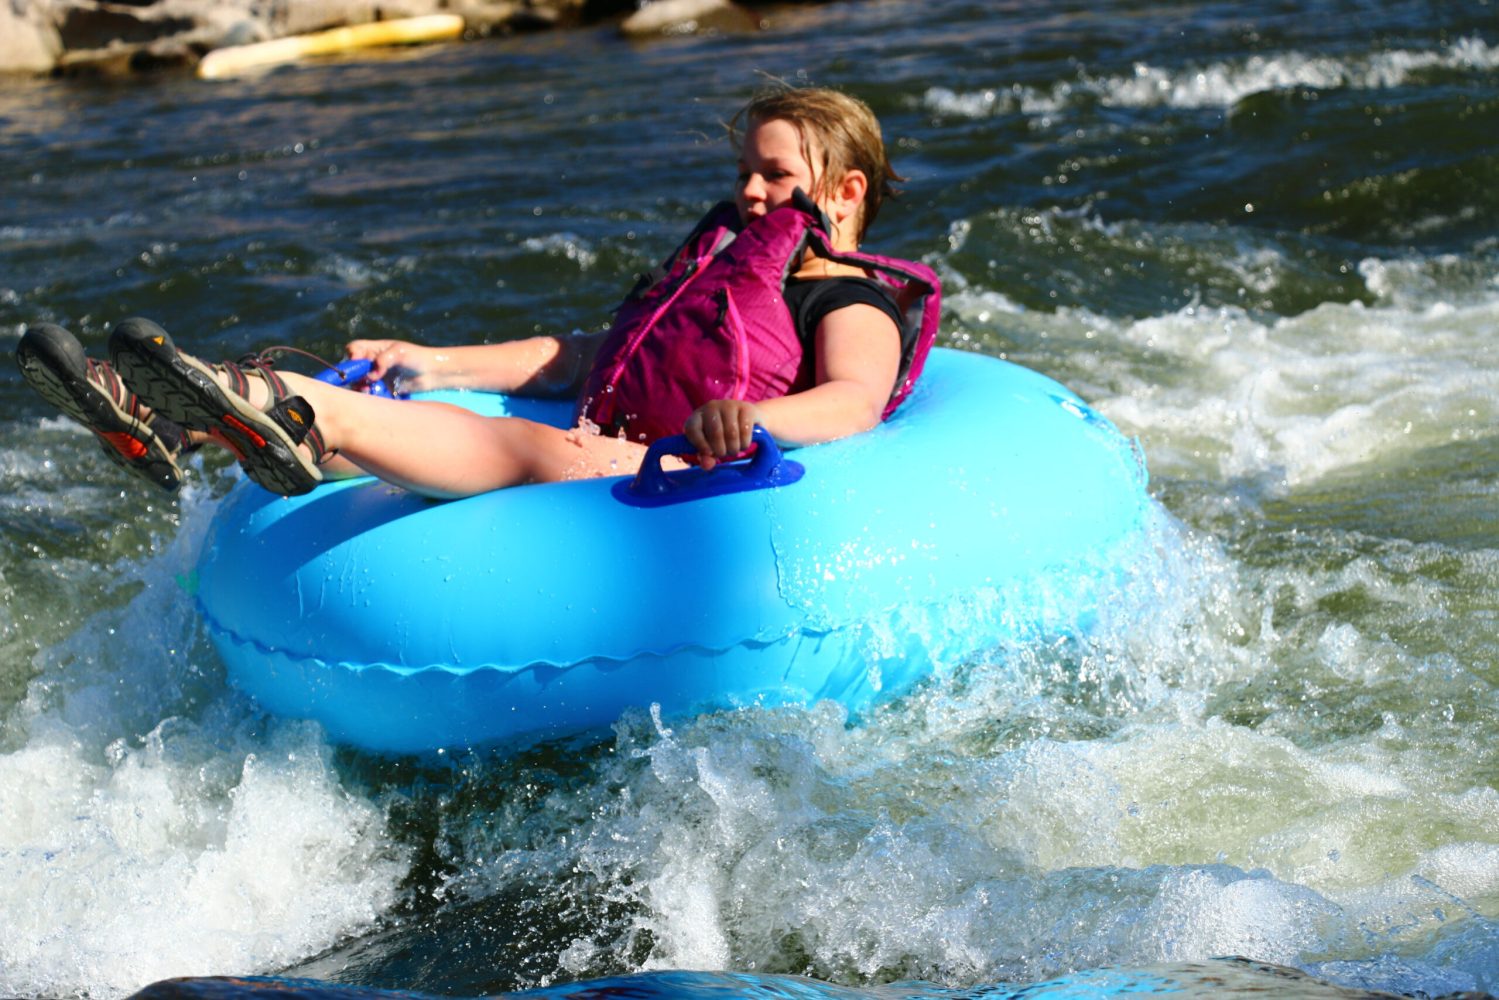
(1219, 84)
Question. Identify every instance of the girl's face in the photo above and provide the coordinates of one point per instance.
(771, 167)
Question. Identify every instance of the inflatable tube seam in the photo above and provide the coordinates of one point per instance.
(217, 631)
(869, 624)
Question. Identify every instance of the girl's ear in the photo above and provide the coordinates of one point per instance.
(848, 198)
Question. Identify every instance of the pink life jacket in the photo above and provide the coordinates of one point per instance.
(712, 323)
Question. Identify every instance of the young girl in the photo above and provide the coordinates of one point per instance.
(767, 315)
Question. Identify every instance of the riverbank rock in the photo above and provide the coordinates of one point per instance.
(108, 38)
(29, 42)
(116, 37)
(677, 17)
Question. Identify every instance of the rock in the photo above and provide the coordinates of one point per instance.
(681, 17)
(302, 18)
(109, 37)
(29, 42)
(113, 38)
(121, 36)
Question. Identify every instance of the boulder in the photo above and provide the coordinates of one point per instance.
(677, 17)
(122, 36)
(29, 42)
(109, 37)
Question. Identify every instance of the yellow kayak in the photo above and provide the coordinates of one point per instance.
(236, 59)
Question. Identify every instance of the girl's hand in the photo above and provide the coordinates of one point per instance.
(722, 428)
(392, 360)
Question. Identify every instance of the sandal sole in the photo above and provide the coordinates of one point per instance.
(184, 389)
(53, 363)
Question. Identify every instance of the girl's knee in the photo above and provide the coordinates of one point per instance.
(540, 453)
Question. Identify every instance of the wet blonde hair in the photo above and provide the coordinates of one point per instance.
(838, 133)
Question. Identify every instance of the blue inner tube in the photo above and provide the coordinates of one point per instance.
(995, 505)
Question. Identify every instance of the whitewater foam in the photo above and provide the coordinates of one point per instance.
(1289, 402)
(1219, 84)
(213, 841)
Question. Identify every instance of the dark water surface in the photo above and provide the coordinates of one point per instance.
(1260, 238)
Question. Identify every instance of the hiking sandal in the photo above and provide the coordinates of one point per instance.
(147, 444)
(185, 389)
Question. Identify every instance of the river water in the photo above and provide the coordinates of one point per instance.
(1259, 238)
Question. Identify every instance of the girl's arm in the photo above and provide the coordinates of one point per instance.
(536, 366)
(858, 359)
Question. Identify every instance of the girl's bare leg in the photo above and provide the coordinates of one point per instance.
(440, 450)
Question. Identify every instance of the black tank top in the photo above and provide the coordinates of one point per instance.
(811, 299)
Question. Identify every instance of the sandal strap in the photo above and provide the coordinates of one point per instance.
(172, 437)
(239, 374)
(266, 357)
(103, 375)
(291, 413)
(263, 361)
(294, 415)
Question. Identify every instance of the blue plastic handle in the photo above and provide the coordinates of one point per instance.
(652, 486)
(352, 374)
